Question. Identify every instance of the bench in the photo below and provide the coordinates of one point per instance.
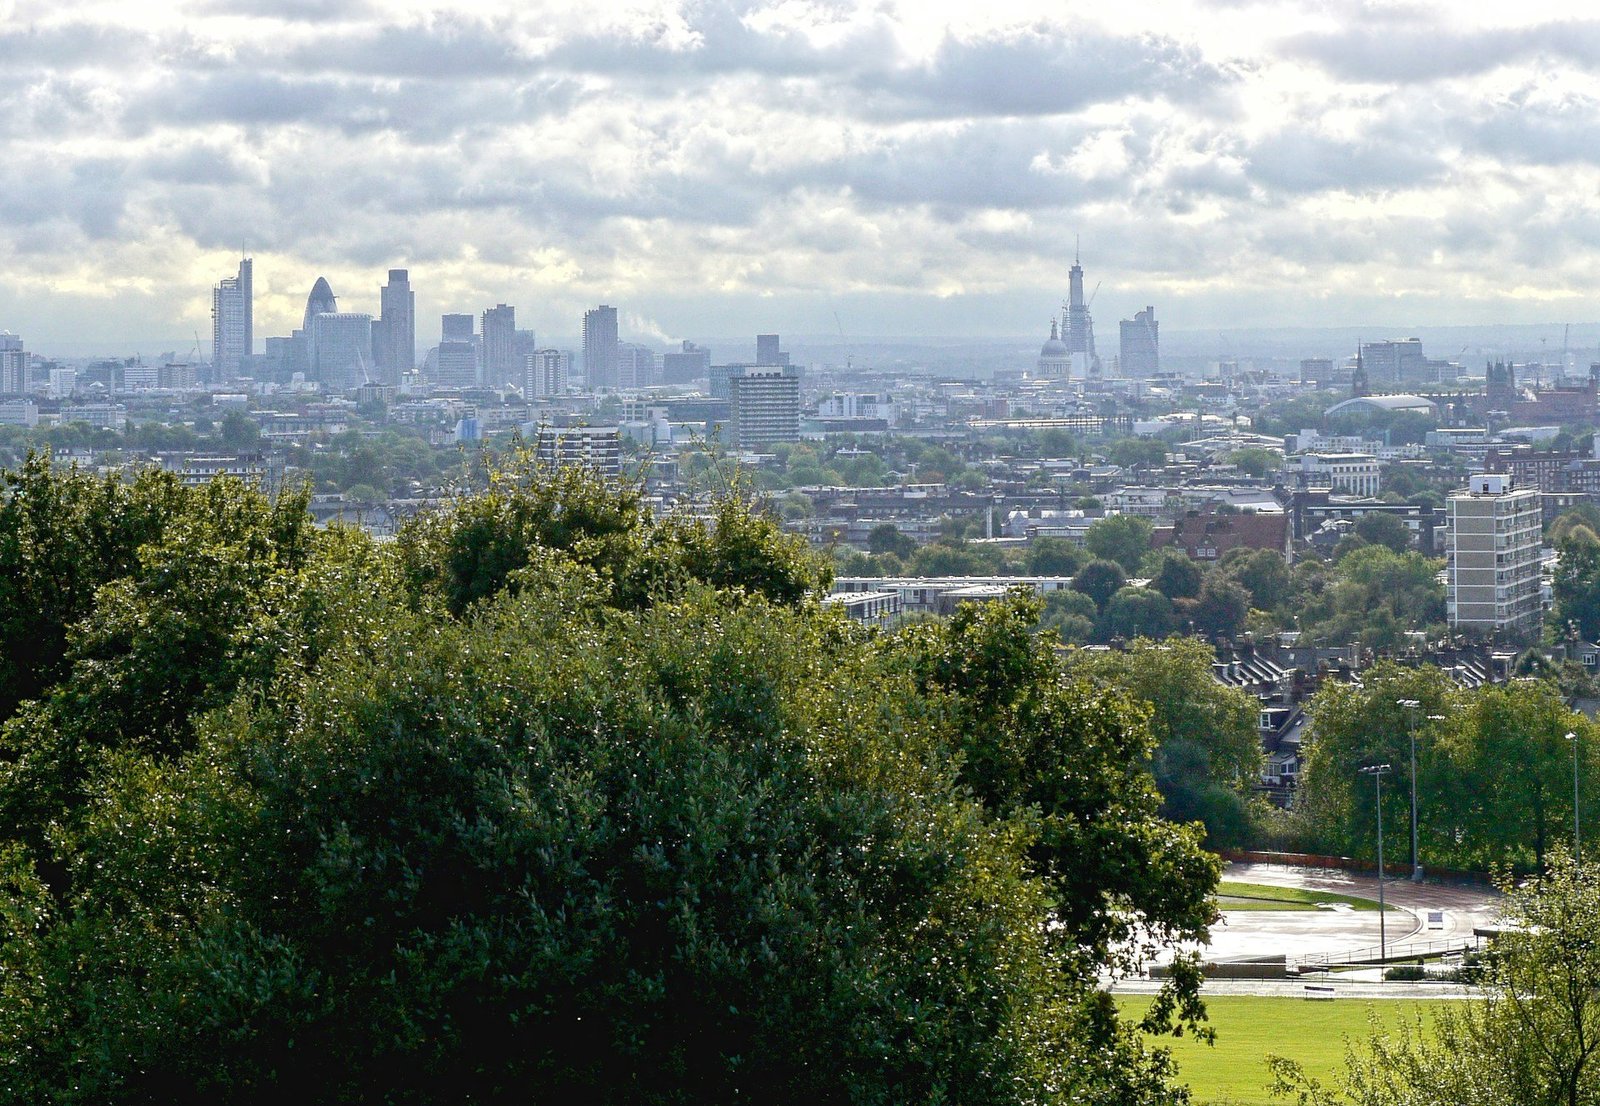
(1319, 991)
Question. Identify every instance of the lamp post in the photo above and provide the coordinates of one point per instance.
(1411, 731)
(1577, 837)
(1377, 772)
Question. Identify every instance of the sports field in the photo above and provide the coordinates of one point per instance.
(1233, 1072)
(1261, 896)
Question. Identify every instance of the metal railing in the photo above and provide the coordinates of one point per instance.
(1373, 954)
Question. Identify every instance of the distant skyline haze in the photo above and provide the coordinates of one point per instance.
(881, 168)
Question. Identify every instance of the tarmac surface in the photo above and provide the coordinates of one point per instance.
(1423, 917)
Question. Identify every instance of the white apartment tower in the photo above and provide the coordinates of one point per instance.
(546, 374)
(1492, 562)
(13, 365)
(766, 407)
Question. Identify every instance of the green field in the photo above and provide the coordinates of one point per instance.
(1262, 896)
(1233, 1072)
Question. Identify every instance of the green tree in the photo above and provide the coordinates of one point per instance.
(1137, 612)
(240, 431)
(1263, 573)
(1177, 577)
(1054, 557)
(887, 538)
(1576, 588)
(1099, 580)
(1385, 530)
(1124, 539)
(1208, 753)
(1221, 608)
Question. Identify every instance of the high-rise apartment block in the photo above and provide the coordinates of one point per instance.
(13, 365)
(232, 334)
(1492, 557)
(600, 347)
(598, 448)
(546, 374)
(500, 363)
(1141, 349)
(394, 334)
(636, 366)
(765, 406)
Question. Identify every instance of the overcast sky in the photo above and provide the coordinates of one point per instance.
(882, 168)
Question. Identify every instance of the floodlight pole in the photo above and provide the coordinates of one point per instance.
(1411, 731)
(1377, 772)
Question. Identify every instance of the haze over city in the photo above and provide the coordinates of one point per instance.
(857, 169)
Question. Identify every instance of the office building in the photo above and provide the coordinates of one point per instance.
(600, 348)
(232, 336)
(636, 366)
(1141, 349)
(321, 301)
(456, 364)
(62, 383)
(594, 447)
(686, 364)
(768, 353)
(1492, 542)
(765, 406)
(456, 328)
(341, 349)
(546, 374)
(13, 365)
(499, 331)
(394, 335)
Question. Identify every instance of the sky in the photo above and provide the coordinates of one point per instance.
(889, 167)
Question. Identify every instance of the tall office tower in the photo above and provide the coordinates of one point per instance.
(1141, 349)
(1492, 556)
(546, 374)
(13, 365)
(1079, 326)
(394, 338)
(767, 351)
(636, 366)
(524, 347)
(455, 328)
(232, 335)
(685, 365)
(341, 349)
(600, 347)
(321, 301)
(765, 407)
(499, 344)
(1317, 370)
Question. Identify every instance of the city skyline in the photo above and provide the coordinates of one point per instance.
(862, 169)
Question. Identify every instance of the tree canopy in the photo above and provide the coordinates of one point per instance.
(551, 794)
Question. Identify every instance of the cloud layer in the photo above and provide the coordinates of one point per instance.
(758, 164)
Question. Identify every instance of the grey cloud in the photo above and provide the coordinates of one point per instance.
(65, 46)
(1046, 71)
(1297, 160)
(445, 48)
(1425, 52)
(292, 11)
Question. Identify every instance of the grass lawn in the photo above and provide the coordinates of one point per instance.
(1261, 896)
(1233, 1072)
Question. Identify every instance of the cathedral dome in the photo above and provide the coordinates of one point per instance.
(1053, 347)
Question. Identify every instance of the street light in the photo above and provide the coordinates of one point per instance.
(1411, 731)
(1377, 772)
(1577, 838)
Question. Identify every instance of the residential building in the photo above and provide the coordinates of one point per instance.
(232, 336)
(499, 344)
(13, 365)
(595, 447)
(1492, 556)
(546, 374)
(636, 366)
(766, 407)
(19, 412)
(600, 348)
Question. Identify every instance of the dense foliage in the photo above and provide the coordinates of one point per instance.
(550, 801)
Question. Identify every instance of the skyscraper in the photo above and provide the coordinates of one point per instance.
(636, 365)
(600, 347)
(321, 301)
(689, 363)
(232, 336)
(455, 328)
(341, 348)
(767, 351)
(499, 344)
(1080, 327)
(1141, 349)
(546, 374)
(395, 332)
